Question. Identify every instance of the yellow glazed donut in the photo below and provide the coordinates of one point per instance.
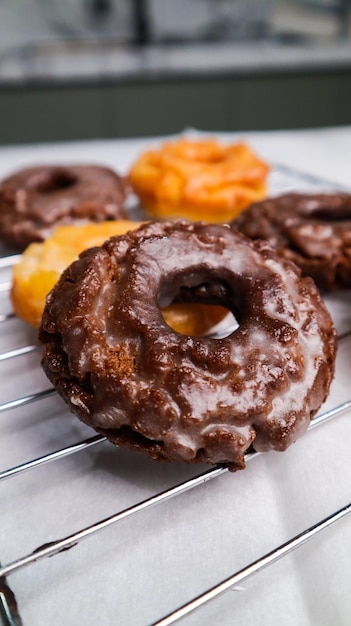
(41, 265)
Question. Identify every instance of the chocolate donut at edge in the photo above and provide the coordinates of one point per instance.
(34, 200)
(313, 230)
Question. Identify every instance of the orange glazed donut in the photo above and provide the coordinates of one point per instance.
(198, 180)
(41, 264)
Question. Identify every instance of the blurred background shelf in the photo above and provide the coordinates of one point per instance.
(107, 68)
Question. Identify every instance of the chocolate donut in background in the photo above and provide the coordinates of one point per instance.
(34, 200)
(123, 371)
(313, 230)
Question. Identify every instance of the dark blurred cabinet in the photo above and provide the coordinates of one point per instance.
(44, 113)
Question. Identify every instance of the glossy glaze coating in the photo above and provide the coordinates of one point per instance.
(126, 373)
(35, 200)
(313, 230)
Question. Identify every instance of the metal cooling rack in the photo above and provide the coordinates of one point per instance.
(33, 406)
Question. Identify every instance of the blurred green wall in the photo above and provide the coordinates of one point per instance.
(151, 107)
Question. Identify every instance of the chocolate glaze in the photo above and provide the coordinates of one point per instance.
(123, 371)
(313, 230)
(36, 199)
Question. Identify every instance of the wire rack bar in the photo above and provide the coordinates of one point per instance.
(6, 317)
(344, 335)
(52, 456)
(255, 567)
(10, 354)
(86, 443)
(9, 261)
(57, 546)
(63, 544)
(308, 177)
(8, 606)
(328, 415)
(5, 286)
(33, 397)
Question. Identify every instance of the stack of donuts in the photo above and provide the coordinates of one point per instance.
(125, 309)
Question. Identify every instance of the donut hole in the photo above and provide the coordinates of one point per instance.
(197, 320)
(199, 310)
(56, 180)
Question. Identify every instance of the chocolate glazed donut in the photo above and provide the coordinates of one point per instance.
(36, 199)
(313, 230)
(125, 372)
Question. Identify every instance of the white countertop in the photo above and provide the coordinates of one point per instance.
(135, 572)
(324, 152)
